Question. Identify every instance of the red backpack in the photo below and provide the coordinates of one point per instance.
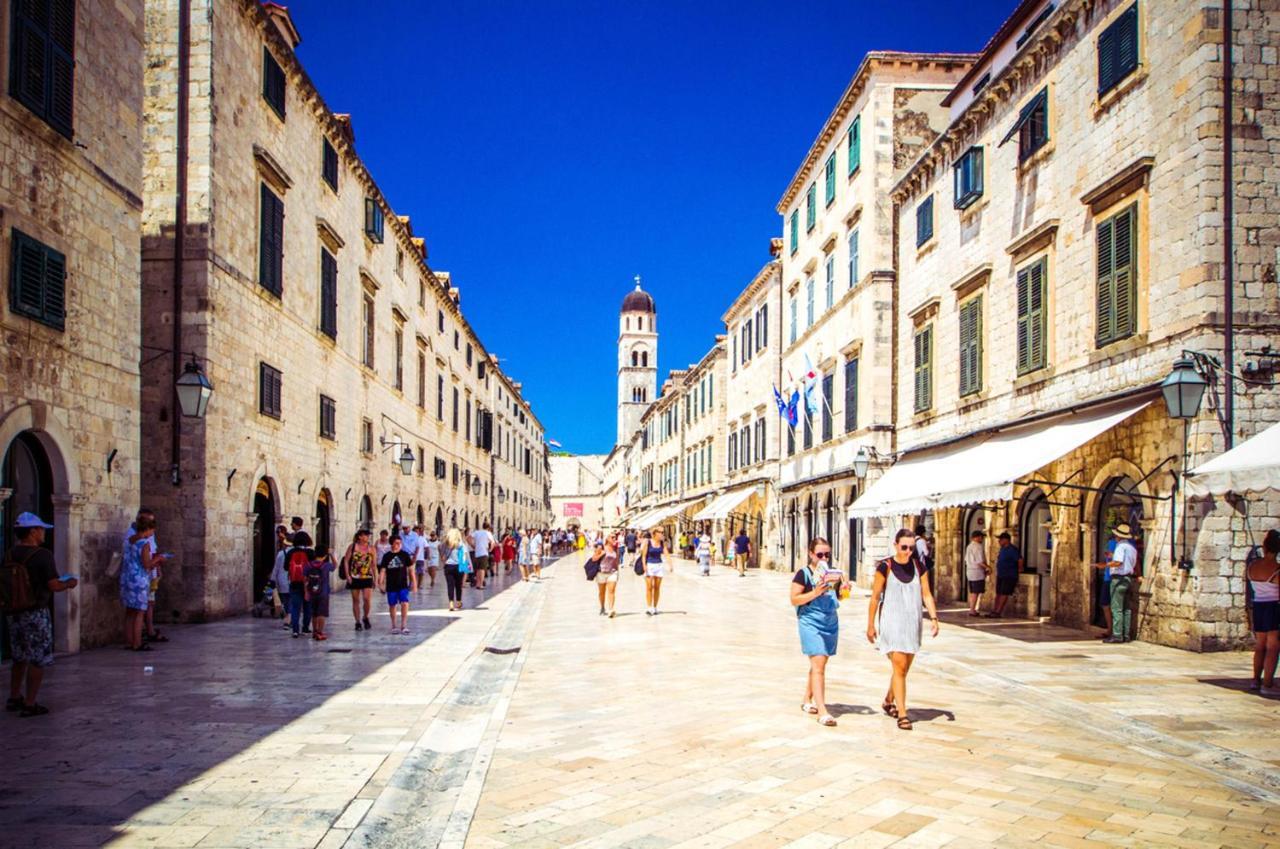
(298, 562)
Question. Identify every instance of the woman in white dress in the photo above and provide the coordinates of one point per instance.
(900, 593)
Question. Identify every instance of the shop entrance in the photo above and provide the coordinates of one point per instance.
(264, 536)
(1035, 536)
(29, 477)
(324, 521)
(1118, 504)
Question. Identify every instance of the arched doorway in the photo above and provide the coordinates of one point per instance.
(422, 518)
(397, 519)
(324, 521)
(855, 538)
(365, 518)
(1119, 504)
(29, 477)
(1035, 539)
(264, 536)
(453, 518)
(439, 520)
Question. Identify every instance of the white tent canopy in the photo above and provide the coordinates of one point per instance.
(984, 468)
(723, 504)
(1251, 466)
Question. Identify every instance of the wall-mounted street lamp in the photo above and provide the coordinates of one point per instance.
(502, 495)
(406, 461)
(862, 460)
(1183, 392)
(475, 485)
(194, 390)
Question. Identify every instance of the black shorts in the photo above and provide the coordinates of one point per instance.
(978, 587)
(1006, 585)
(362, 583)
(1266, 616)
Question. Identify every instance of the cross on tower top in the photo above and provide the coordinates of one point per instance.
(637, 282)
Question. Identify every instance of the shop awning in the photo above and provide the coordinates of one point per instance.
(985, 467)
(1252, 465)
(723, 504)
(662, 514)
(638, 517)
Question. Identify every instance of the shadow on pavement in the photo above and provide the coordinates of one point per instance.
(1023, 630)
(838, 710)
(930, 714)
(1238, 684)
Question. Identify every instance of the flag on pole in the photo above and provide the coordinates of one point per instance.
(554, 444)
(793, 409)
(777, 399)
(810, 398)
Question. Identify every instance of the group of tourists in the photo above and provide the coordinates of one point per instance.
(649, 557)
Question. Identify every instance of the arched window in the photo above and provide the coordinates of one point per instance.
(635, 359)
(628, 322)
(644, 359)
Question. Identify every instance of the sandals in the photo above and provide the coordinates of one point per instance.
(827, 720)
(33, 710)
(890, 709)
(904, 724)
(809, 707)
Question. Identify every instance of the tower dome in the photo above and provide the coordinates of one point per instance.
(638, 300)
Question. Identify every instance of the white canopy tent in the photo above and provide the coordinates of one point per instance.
(1251, 466)
(984, 468)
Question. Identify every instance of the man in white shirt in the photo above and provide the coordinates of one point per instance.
(411, 541)
(1124, 571)
(481, 545)
(976, 569)
(535, 554)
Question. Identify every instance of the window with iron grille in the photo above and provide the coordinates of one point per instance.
(1118, 50)
(273, 83)
(42, 43)
(967, 177)
(270, 389)
(328, 418)
(38, 281)
(271, 242)
(329, 165)
(1117, 277)
(328, 294)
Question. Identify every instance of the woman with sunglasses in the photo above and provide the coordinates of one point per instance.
(813, 593)
(900, 592)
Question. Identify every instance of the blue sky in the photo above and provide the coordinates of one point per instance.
(550, 151)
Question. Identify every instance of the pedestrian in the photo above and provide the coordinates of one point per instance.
(1124, 571)
(903, 582)
(509, 551)
(296, 561)
(631, 539)
(482, 543)
(1264, 582)
(28, 579)
(1008, 567)
(282, 538)
(455, 564)
(925, 553)
(976, 569)
(656, 559)
(383, 545)
(295, 525)
(360, 573)
(135, 580)
(535, 554)
(814, 590)
(409, 542)
(397, 579)
(431, 549)
(702, 550)
(1104, 585)
(150, 634)
(524, 557)
(318, 587)
(741, 551)
(607, 579)
(280, 578)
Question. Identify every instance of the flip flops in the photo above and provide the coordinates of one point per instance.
(827, 720)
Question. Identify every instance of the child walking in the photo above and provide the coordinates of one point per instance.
(397, 579)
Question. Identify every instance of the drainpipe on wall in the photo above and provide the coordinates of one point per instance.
(179, 232)
(1228, 227)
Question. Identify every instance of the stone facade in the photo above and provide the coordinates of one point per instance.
(70, 206)
(313, 406)
(837, 272)
(1149, 146)
(576, 482)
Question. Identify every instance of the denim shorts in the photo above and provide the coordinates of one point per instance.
(395, 597)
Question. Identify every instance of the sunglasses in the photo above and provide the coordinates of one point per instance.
(905, 547)
(822, 555)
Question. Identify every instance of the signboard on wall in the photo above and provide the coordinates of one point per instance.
(573, 509)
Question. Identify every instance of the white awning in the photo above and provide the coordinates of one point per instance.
(1251, 466)
(662, 514)
(640, 516)
(983, 468)
(723, 504)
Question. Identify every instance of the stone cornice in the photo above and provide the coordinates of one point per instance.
(857, 85)
(769, 271)
(1122, 182)
(1029, 63)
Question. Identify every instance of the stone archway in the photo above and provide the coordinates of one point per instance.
(266, 513)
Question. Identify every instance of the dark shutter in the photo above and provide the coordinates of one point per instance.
(62, 63)
(923, 369)
(42, 59)
(273, 84)
(808, 426)
(1031, 317)
(328, 294)
(764, 326)
(924, 221)
(1118, 50)
(971, 347)
(328, 417)
(1117, 277)
(330, 165)
(269, 390)
(851, 396)
(271, 242)
(37, 286)
(828, 396)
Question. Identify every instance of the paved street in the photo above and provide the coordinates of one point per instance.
(681, 730)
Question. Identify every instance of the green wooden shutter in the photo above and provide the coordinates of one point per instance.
(924, 369)
(1106, 321)
(855, 145)
(830, 187)
(1124, 234)
(1038, 328)
(795, 230)
(328, 294)
(1024, 320)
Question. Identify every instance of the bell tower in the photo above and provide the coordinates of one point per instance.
(637, 360)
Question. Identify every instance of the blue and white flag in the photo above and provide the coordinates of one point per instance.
(777, 399)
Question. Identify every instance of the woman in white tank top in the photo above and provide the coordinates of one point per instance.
(1264, 582)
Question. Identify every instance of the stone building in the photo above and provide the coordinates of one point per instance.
(340, 360)
(1060, 246)
(837, 273)
(637, 360)
(71, 209)
(749, 498)
(577, 496)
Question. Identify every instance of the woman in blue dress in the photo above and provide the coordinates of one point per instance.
(135, 581)
(814, 589)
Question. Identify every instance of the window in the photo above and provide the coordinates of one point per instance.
(923, 342)
(855, 145)
(440, 398)
(440, 321)
(733, 451)
(422, 293)
(829, 190)
(809, 305)
(422, 380)
(795, 313)
(853, 259)
(42, 60)
(746, 342)
(455, 409)
(328, 418)
(1034, 25)
(828, 395)
(1118, 50)
(455, 340)
(328, 294)
(399, 359)
(367, 319)
(271, 242)
(373, 223)
(1032, 126)
(982, 82)
(967, 177)
(329, 165)
(831, 281)
(366, 436)
(399, 263)
(269, 390)
(1032, 294)
(468, 355)
(851, 395)
(807, 415)
(760, 438)
(762, 327)
(791, 440)
(1117, 277)
(971, 346)
(924, 221)
(467, 431)
(811, 208)
(272, 83)
(38, 281)
(795, 231)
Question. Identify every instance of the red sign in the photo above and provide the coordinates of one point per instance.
(572, 509)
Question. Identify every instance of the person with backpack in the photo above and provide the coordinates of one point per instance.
(135, 580)
(317, 587)
(456, 564)
(397, 579)
(296, 560)
(28, 580)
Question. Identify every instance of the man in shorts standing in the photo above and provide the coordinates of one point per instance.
(30, 626)
(976, 569)
(481, 546)
(1008, 565)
